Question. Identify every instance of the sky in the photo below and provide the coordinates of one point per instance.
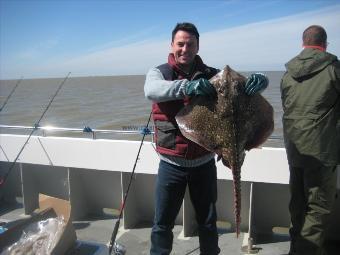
(49, 38)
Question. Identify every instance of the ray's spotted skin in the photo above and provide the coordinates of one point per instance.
(228, 125)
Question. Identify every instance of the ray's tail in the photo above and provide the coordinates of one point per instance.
(237, 198)
(236, 165)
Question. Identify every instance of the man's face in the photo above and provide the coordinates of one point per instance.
(185, 48)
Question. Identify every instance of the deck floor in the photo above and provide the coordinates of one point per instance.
(94, 233)
(137, 241)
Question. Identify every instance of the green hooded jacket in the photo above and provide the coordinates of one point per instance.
(310, 93)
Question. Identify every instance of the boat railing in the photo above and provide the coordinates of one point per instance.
(47, 129)
(94, 132)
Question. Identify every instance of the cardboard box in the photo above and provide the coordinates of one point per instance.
(49, 207)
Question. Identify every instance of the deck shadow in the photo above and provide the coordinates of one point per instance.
(7, 207)
(271, 238)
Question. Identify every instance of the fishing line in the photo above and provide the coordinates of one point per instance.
(36, 126)
(145, 132)
(10, 94)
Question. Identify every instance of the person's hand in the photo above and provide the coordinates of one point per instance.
(256, 83)
(200, 87)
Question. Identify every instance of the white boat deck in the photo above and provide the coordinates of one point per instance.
(93, 175)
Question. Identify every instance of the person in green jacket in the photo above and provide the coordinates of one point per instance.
(310, 93)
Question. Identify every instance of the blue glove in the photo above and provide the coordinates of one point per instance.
(200, 87)
(256, 83)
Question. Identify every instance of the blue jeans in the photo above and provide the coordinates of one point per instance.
(170, 189)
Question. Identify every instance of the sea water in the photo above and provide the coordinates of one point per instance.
(109, 102)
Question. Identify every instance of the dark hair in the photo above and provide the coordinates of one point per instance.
(187, 27)
(314, 35)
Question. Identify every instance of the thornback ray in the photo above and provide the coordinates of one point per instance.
(228, 125)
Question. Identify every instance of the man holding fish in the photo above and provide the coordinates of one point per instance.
(182, 162)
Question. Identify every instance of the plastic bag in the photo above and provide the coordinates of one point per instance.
(39, 238)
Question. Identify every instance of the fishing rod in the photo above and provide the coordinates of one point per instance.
(10, 94)
(113, 244)
(3, 179)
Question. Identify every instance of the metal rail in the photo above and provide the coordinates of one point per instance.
(86, 129)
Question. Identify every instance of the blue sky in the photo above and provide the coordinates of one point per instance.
(49, 38)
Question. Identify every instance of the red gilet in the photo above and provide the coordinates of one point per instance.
(168, 138)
